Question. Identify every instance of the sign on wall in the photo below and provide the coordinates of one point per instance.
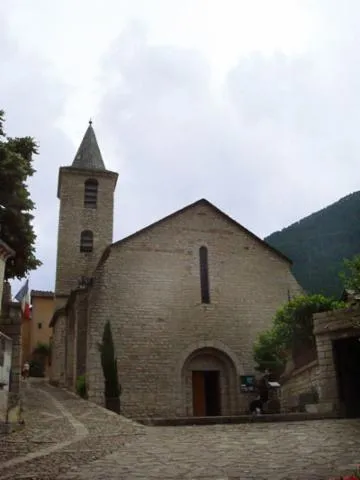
(247, 383)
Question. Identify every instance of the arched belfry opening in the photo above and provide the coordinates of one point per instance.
(209, 383)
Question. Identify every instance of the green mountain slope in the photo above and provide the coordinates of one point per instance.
(318, 244)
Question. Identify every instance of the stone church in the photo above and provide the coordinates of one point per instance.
(186, 298)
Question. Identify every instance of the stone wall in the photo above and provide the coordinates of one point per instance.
(149, 289)
(76, 337)
(57, 370)
(5, 369)
(321, 374)
(10, 325)
(81, 308)
(297, 382)
(329, 326)
(74, 218)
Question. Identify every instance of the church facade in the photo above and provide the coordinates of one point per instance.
(186, 298)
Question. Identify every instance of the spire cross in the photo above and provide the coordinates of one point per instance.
(90, 121)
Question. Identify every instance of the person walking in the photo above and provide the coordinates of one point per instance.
(26, 370)
(264, 389)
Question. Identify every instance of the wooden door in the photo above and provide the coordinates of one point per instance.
(198, 386)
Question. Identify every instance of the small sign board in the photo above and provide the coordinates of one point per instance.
(247, 383)
(274, 384)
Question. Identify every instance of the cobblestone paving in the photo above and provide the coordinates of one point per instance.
(309, 450)
(104, 433)
(90, 443)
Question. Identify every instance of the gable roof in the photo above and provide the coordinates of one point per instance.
(88, 155)
(202, 201)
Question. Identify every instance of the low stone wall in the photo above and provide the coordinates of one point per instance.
(296, 383)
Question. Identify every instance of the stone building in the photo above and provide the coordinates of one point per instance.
(335, 373)
(10, 346)
(36, 331)
(186, 298)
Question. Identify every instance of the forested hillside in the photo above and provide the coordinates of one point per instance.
(318, 244)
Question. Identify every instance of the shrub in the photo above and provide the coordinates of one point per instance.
(291, 332)
(109, 365)
(81, 388)
(42, 349)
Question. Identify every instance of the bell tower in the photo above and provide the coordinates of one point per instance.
(86, 194)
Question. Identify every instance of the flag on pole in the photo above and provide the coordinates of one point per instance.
(23, 296)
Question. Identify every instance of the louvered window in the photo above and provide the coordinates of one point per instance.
(91, 191)
(86, 241)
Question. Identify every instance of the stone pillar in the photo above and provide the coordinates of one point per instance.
(58, 363)
(81, 333)
(10, 325)
(69, 339)
(328, 396)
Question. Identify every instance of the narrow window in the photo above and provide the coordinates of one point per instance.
(90, 195)
(39, 326)
(204, 275)
(86, 241)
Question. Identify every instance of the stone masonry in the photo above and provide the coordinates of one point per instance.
(329, 326)
(74, 218)
(72, 264)
(321, 375)
(149, 288)
(10, 325)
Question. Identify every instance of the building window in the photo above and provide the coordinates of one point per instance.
(39, 326)
(86, 241)
(90, 195)
(204, 275)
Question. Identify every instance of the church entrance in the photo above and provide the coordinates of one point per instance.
(206, 393)
(347, 364)
(208, 381)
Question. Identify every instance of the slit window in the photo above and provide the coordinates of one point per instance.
(204, 275)
(86, 241)
(91, 192)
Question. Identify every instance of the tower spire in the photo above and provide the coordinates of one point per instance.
(88, 155)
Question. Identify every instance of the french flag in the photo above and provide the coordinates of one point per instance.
(23, 296)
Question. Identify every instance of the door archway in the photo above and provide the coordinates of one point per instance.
(209, 383)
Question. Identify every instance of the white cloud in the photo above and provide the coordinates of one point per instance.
(253, 105)
(33, 98)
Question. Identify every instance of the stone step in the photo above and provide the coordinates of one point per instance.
(266, 418)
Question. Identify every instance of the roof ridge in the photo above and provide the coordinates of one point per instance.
(214, 207)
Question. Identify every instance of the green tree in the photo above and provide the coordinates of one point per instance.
(291, 331)
(109, 367)
(350, 276)
(16, 158)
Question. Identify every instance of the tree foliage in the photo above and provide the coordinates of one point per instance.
(318, 244)
(109, 365)
(291, 331)
(351, 273)
(42, 349)
(16, 166)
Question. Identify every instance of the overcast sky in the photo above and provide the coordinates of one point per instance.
(252, 105)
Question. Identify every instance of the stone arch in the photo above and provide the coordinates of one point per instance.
(210, 355)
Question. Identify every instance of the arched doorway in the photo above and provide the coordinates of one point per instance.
(209, 383)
